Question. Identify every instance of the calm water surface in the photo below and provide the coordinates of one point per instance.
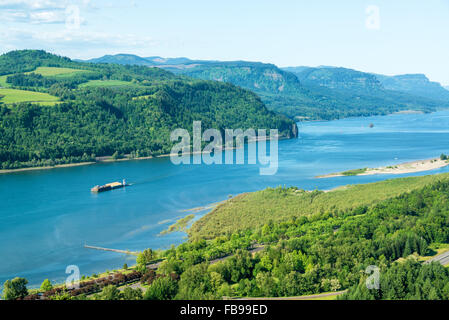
(46, 216)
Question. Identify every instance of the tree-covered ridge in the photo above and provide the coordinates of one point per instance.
(416, 84)
(258, 77)
(326, 252)
(313, 93)
(304, 92)
(135, 117)
(338, 78)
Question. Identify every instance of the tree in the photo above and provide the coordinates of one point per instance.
(143, 258)
(132, 294)
(115, 155)
(163, 288)
(110, 293)
(46, 285)
(266, 284)
(15, 289)
(195, 283)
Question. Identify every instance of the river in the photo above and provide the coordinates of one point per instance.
(46, 216)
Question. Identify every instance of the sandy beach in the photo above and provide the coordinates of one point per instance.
(407, 167)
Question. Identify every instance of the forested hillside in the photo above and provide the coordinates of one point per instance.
(320, 93)
(416, 84)
(303, 92)
(90, 110)
(327, 251)
(354, 91)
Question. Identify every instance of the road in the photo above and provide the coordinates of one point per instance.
(442, 258)
(155, 266)
(312, 297)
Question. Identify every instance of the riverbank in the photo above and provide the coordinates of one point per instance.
(66, 165)
(407, 167)
(127, 157)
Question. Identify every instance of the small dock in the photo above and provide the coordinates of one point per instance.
(113, 250)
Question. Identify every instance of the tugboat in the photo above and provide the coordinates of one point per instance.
(109, 186)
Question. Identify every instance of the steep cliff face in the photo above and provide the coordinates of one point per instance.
(258, 77)
(416, 84)
(337, 78)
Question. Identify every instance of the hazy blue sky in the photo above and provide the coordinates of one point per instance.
(409, 36)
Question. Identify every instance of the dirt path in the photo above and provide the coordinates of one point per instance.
(311, 297)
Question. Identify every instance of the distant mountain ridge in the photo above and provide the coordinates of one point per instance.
(323, 92)
(417, 84)
(337, 78)
(132, 59)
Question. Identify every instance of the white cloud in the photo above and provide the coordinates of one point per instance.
(47, 17)
(38, 11)
(71, 40)
(33, 4)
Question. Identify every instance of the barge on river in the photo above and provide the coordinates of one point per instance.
(109, 186)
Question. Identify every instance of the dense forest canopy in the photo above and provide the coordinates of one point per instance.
(107, 109)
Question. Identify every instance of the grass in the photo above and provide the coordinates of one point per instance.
(105, 83)
(435, 249)
(180, 225)
(47, 72)
(54, 71)
(252, 210)
(3, 82)
(354, 172)
(17, 96)
(144, 97)
(319, 296)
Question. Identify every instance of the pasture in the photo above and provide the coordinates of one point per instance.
(17, 96)
(58, 72)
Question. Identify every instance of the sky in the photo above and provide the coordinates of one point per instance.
(387, 37)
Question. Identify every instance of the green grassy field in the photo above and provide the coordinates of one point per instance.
(180, 225)
(3, 82)
(59, 72)
(47, 72)
(251, 210)
(105, 83)
(17, 96)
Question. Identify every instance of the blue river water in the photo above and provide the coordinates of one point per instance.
(46, 216)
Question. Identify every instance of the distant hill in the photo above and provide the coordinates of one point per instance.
(446, 87)
(259, 77)
(338, 78)
(131, 59)
(312, 93)
(124, 59)
(416, 84)
(323, 92)
(169, 61)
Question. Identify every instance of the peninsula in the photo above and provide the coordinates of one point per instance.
(407, 167)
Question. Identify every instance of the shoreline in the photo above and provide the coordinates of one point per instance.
(106, 159)
(401, 168)
(66, 165)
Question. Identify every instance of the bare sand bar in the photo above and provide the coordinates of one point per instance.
(408, 167)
